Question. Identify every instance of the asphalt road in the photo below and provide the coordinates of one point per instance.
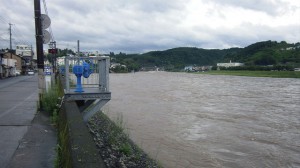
(24, 134)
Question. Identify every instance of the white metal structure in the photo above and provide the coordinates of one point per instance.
(95, 87)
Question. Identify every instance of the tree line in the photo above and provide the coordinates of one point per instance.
(265, 55)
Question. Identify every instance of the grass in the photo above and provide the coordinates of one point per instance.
(114, 139)
(273, 74)
(50, 103)
(116, 135)
(64, 155)
(50, 100)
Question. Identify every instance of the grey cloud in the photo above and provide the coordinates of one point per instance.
(159, 6)
(137, 26)
(21, 16)
(120, 26)
(269, 7)
(248, 33)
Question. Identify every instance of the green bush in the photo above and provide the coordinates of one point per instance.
(50, 99)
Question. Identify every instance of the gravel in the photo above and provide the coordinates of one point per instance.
(115, 147)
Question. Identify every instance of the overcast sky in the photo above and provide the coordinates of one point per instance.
(137, 26)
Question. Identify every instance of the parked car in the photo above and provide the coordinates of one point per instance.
(30, 72)
(18, 73)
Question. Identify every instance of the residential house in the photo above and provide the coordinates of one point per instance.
(25, 51)
(11, 64)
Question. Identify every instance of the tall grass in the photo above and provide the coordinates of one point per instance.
(51, 99)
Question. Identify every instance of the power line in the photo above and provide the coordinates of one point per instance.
(5, 37)
(19, 36)
(50, 29)
(3, 19)
(12, 36)
(3, 29)
(3, 42)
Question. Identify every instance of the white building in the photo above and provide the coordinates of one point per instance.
(60, 61)
(189, 68)
(230, 64)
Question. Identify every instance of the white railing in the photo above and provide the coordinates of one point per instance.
(98, 79)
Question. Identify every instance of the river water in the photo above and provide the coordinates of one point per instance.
(194, 120)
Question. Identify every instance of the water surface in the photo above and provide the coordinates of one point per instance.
(192, 120)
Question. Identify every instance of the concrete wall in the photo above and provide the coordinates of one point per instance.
(77, 147)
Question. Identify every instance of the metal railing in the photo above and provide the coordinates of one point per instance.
(98, 79)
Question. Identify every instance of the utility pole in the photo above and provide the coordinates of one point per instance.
(55, 66)
(38, 34)
(31, 56)
(10, 43)
(39, 47)
(78, 48)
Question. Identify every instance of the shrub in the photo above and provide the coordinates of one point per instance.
(50, 99)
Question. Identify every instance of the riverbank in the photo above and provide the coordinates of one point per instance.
(115, 147)
(273, 74)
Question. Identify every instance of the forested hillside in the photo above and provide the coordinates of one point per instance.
(174, 59)
(267, 53)
(257, 54)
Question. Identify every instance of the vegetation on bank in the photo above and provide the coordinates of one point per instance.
(64, 158)
(50, 103)
(257, 68)
(116, 149)
(274, 74)
(50, 99)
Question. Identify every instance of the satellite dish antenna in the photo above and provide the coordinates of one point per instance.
(45, 21)
(46, 36)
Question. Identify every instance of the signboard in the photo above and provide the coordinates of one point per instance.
(47, 70)
(52, 50)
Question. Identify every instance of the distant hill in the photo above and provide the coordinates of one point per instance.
(260, 53)
(267, 53)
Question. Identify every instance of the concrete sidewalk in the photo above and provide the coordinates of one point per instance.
(37, 147)
(26, 139)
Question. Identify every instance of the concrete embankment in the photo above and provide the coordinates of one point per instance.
(77, 148)
(101, 143)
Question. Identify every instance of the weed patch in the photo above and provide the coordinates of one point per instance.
(50, 101)
(115, 147)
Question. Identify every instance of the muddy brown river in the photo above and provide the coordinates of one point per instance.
(191, 120)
